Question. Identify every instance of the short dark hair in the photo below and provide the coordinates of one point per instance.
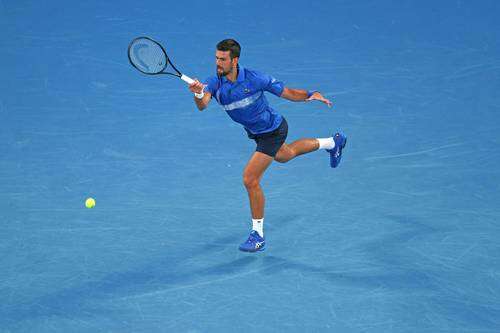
(230, 45)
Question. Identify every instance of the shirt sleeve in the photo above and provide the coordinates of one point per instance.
(270, 84)
(211, 85)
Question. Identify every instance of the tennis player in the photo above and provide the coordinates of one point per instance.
(240, 92)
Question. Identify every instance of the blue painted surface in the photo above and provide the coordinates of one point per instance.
(402, 237)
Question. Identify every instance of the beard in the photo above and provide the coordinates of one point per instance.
(221, 72)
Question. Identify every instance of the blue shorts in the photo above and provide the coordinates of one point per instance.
(270, 143)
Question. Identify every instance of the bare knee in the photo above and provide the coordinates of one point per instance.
(285, 155)
(250, 181)
(281, 159)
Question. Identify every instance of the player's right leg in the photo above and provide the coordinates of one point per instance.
(267, 146)
(251, 179)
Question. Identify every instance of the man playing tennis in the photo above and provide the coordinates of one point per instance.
(240, 92)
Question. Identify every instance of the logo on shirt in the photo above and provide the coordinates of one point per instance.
(246, 90)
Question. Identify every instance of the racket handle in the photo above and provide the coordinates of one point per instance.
(187, 79)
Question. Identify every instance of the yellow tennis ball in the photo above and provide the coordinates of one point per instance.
(90, 203)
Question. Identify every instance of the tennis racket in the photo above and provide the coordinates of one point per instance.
(149, 57)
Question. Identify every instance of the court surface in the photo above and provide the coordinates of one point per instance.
(402, 237)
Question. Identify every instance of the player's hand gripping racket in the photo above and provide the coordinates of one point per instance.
(149, 57)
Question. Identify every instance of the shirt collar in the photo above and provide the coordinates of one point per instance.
(241, 74)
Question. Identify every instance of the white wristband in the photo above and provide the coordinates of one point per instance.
(199, 96)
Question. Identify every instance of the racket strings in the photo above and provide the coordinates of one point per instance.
(147, 56)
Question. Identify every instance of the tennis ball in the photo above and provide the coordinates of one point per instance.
(90, 203)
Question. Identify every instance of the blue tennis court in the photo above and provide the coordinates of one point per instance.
(402, 237)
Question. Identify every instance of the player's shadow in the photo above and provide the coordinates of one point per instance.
(159, 277)
(143, 281)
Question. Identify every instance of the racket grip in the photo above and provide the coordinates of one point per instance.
(187, 79)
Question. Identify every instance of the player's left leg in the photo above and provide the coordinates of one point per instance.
(296, 148)
(333, 146)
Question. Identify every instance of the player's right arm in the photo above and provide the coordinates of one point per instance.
(197, 88)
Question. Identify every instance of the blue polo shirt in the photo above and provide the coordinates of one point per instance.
(244, 100)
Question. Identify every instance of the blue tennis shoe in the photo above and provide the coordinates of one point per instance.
(336, 152)
(254, 243)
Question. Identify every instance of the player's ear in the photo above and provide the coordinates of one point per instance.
(235, 61)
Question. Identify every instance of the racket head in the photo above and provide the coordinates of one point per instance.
(147, 56)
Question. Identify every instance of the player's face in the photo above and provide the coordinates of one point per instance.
(224, 63)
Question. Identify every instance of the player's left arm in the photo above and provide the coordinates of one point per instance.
(300, 95)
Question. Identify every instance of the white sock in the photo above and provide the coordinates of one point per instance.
(258, 225)
(326, 143)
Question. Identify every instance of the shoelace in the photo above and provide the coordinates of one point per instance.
(251, 239)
